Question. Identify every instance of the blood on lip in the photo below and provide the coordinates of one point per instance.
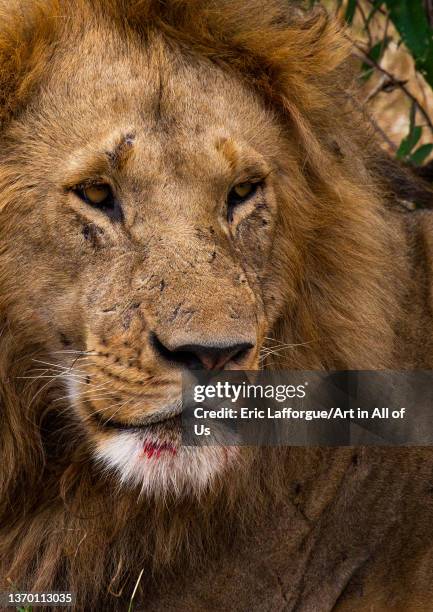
(154, 449)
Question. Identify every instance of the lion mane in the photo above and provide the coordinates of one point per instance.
(360, 301)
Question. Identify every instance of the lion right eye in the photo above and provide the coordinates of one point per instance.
(241, 192)
(100, 196)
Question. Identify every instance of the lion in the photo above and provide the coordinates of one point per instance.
(186, 185)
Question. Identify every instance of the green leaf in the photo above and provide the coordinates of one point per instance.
(412, 117)
(410, 19)
(407, 145)
(350, 11)
(376, 6)
(375, 54)
(421, 154)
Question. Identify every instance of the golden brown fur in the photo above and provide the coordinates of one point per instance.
(325, 263)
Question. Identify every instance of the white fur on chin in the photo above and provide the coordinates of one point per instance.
(158, 469)
(156, 466)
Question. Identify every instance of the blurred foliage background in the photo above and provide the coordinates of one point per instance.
(393, 44)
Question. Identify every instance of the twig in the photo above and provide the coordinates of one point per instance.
(377, 9)
(396, 83)
(374, 124)
(381, 86)
(366, 25)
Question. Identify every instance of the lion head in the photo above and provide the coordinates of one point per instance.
(160, 213)
(180, 188)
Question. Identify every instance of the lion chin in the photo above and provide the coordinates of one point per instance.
(160, 467)
(152, 457)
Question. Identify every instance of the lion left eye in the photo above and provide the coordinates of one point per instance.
(100, 196)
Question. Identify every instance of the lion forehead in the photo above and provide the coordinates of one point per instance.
(187, 102)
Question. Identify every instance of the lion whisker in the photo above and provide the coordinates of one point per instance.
(56, 365)
(91, 353)
(44, 387)
(98, 411)
(119, 408)
(41, 376)
(99, 398)
(277, 350)
(94, 388)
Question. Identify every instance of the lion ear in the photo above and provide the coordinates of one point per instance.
(321, 41)
(300, 66)
(26, 38)
(299, 53)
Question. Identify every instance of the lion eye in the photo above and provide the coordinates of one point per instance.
(243, 190)
(240, 193)
(100, 196)
(97, 194)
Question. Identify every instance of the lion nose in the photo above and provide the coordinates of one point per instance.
(208, 356)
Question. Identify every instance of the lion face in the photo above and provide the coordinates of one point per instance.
(148, 233)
